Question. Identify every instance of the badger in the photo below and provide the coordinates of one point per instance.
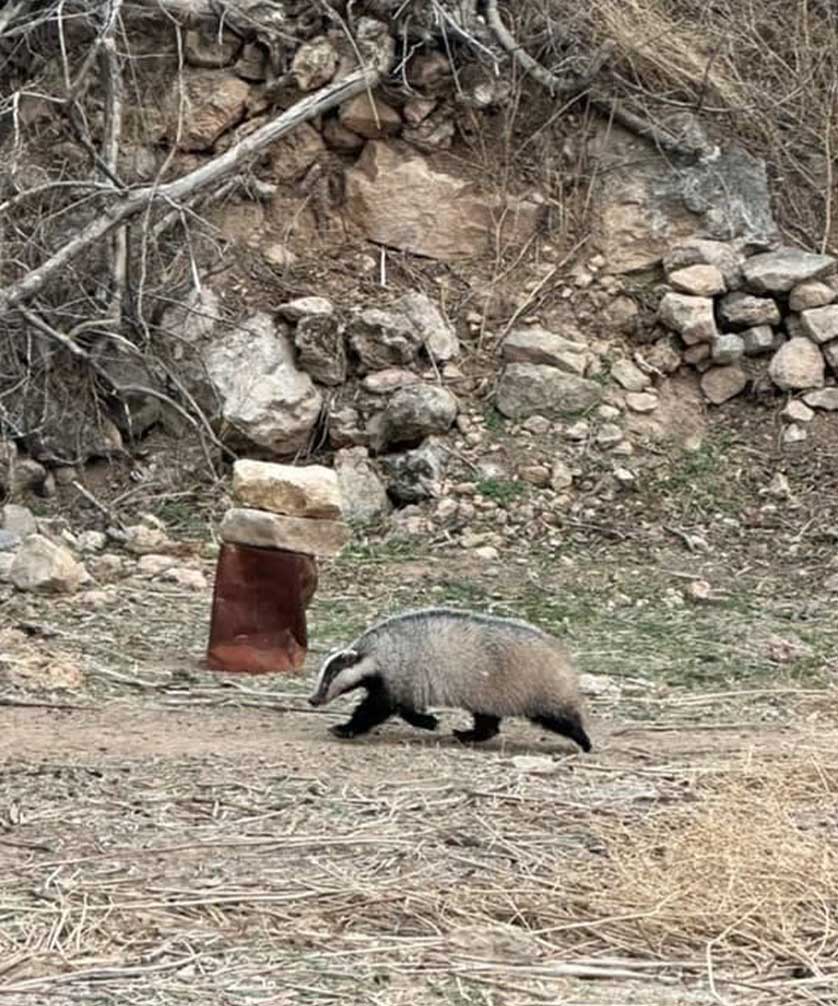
(490, 666)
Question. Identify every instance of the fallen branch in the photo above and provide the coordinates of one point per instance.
(12, 297)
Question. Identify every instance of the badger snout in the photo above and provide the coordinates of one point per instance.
(315, 700)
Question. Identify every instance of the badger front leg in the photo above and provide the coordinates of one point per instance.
(372, 710)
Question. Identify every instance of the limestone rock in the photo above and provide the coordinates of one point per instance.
(726, 257)
(322, 538)
(830, 354)
(698, 280)
(10, 541)
(660, 356)
(346, 427)
(691, 317)
(720, 384)
(561, 477)
(820, 323)
(743, 310)
(140, 539)
(41, 565)
(727, 348)
(811, 294)
(537, 345)
(823, 398)
(527, 389)
(622, 315)
(798, 365)
(362, 491)
(306, 307)
(154, 565)
(759, 339)
(384, 382)
(292, 155)
(183, 576)
(371, 119)
(437, 336)
(415, 475)
(290, 490)
(641, 401)
(782, 270)
(397, 198)
(383, 339)
(201, 106)
(414, 413)
(314, 64)
(208, 52)
(321, 351)
(265, 399)
(338, 137)
(434, 133)
(794, 434)
(797, 412)
(18, 520)
(629, 376)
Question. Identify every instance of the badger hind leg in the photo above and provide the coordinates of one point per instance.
(422, 721)
(567, 726)
(484, 729)
(371, 711)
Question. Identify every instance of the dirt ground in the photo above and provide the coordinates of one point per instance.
(170, 835)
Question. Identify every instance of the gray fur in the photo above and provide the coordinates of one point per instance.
(443, 657)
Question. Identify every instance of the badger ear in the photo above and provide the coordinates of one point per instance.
(351, 657)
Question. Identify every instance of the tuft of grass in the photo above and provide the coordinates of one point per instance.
(502, 491)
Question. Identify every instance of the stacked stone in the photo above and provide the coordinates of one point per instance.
(729, 308)
(266, 576)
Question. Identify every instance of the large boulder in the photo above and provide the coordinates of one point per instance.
(691, 317)
(264, 399)
(362, 491)
(41, 565)
(382, 339)
(529, 389)
(245, 526)
(782, 270)
(291, 490)
(399, 198)
(412, 414)
(797, 365)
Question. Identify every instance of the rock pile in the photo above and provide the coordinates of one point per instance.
(774, 312)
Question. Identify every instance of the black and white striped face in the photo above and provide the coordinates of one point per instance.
(339, 673)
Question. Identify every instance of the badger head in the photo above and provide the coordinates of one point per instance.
(340, 673)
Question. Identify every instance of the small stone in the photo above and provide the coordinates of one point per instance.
(534, 765)
(821, 323)
(305, 307)
(624, 449)
(608, 435)
(561, 477)
(698, 280)
(279, 255)
(578, 431)
(384, 382)
(641, 401)
(725, 256)
(794, 434)
(720, 384)
(538, 425)
(41, 565)
(91, 541)
(727, 348)
(290, 490)
(245, 526)
(698, 591)
(608, 412)
(630, 376)
(141, 540)
(798, 365)
(314, 64)
(487, 552)
(19, 520)
(536, 475)
(412, 414)
(437, 336)
(154, 565)
(779, 487)
(621, 315)
(109, 566)
(538, 346)
(811, 294)
(825, 398)
(189, 579)
(321, 352)
(372, 119)
(660, 356)
(780, 271)
(96, 599)
(830, 354)
(757, 340)
(691, 317)
(830, 584)
(743, 310)
(625, 477)
(697, 354)
(447, 509)
(797, 412)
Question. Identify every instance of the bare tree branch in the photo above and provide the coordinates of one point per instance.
(312, 105)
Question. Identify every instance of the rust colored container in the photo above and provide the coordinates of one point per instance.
(258, 622)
